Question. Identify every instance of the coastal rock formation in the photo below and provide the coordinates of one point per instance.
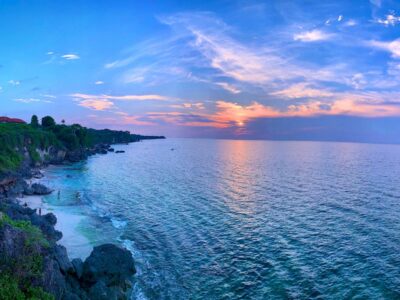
(30, 253)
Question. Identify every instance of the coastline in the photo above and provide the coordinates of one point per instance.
(77, 278)
(67, 223)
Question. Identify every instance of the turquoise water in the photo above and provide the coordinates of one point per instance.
(217, 219)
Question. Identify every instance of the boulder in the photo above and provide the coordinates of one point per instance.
(108, 263)
(40, 189)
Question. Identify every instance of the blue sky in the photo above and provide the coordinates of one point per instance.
(229, 69)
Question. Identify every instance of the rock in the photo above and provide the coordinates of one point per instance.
(120, 151)
(111, 150)
(60, 254)
(99, 291)
(40, 189)
(50, 218)
(77, 263)
(110, 264)
(70, 296)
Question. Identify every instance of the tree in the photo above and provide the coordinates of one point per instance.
(48, 122)
(34, 121)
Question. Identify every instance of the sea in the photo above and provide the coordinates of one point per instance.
(232, 219)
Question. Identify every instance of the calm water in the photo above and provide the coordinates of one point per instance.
(219, 219)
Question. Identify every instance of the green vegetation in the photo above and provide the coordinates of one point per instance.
(15, 139)
(34, 121)
(34, 234)
(10, 290)
(16, 275)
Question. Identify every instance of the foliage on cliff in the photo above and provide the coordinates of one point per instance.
(15, 139)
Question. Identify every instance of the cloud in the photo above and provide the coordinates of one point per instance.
(340, 18)
(312, 36)
(31, 100)
(123, 98)
(390, 20)
(350, 23)
(99, 82)
(302, 90)
(229, 87)
(96, 104)
(188, 105)
(49, 96)
(377, 3)
(393, 47)
(14, 82)
(70, 56)
(50, 53)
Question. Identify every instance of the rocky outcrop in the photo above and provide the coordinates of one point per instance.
(37, 189)
(32, 255)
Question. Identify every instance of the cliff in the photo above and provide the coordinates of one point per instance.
(32, 264)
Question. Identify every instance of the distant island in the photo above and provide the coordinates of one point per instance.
(32, 264)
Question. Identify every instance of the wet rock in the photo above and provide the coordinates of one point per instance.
(40, 189)
(120, 151)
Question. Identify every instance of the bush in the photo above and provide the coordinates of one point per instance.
(48, 122)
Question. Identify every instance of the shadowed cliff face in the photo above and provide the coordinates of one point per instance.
(32, 259)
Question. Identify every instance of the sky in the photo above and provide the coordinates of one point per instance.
(297, 70)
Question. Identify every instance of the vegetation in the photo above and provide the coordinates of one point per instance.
(15, 139)
(16, 275)
(34, 121)
(34, 234)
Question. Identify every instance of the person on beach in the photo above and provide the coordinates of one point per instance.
(58, 195)
(40, 211)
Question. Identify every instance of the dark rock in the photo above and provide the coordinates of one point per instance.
(70, 296)
(77, 263)
(40, 189)
(110, 264)
(120, 151)
(111, 150)
(60, 254)
(50, 218)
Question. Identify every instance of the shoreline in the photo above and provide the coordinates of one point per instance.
(66, 276)
(67, 223)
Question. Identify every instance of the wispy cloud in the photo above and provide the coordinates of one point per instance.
(389, 20)
(99, 82)
(312, 36)
(302, 90)
(123, 97)
(229, 87)
(32, 100)
(393, 46)
(70, 56)
(96, 104)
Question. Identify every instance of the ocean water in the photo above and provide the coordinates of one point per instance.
(220, 219)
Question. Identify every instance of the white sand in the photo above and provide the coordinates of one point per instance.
(67, 222)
